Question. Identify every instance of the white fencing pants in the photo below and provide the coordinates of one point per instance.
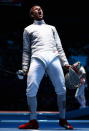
(36, 73)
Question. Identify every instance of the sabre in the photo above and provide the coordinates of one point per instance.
(19, 74)
(7, 71)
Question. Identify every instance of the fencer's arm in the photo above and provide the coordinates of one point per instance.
(26, 51)
(25, 56)
(61, 52)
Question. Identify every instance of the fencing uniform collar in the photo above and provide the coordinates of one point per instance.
(39, 22)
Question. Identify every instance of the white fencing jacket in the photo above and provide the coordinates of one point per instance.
(40, 39)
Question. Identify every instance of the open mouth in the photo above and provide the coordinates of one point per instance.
(40, 13)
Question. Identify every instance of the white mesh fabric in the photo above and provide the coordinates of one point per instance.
(72, 79)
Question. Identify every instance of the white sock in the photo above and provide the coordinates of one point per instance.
(32, 104)
(61, 101)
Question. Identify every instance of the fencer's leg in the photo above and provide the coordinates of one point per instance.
(83, 98)
(34, 78)
(77, 95)
(56, 75)
(61, 102)
(80, 95)
(32, 105)
(83, 103)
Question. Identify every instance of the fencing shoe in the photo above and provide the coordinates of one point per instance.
(32, 124)
(65, 124)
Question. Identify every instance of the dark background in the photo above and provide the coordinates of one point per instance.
(71, 20)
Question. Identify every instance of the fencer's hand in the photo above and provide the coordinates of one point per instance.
(20, 74)
(67, 66)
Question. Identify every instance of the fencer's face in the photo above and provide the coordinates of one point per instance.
(36, 13)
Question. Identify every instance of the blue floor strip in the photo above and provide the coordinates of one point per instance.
(47, 121)
(78, 113)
